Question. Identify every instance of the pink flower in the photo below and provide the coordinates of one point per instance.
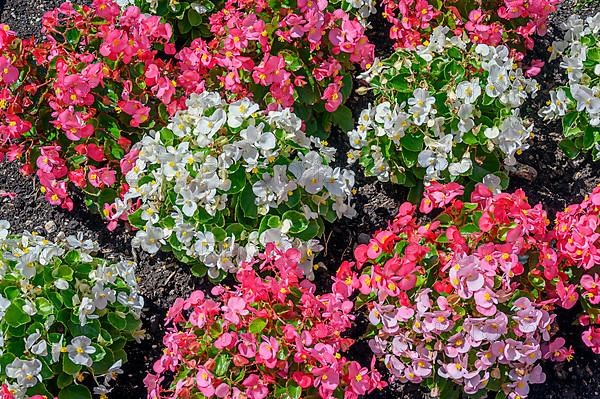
(8, 73)
(591, 337)
(101, 177)
(204, 382)
(592, 288)
(333, 97)
(255, 388)
(236, 306)
(437, 195)
(268, 351)
(359, 379)
(327, 378)
(567, 294)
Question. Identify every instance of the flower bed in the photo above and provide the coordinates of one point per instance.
(65, 316)
(223, 180)
(205, 138)
(446, 111)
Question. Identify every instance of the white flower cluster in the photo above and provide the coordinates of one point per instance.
(24, 259)
(364, 9)
(582, 68)
(222, 156)
(444, 127)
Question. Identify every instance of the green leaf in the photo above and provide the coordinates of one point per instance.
(569, 148)
(117, 322)
(257, 326)
(342, 117)
(412, 142)
(15, 316)
(314, 229)
(73, 36)
(69, 367)
(64, 380)
(194, 18)
(44, 306)
(136, 219)
(299, 221)
(469, 229)
(247, 202)
(294, 391)
(238, 180)
(75, 392)
(222, 364)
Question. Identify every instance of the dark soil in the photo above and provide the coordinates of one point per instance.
(560, 181)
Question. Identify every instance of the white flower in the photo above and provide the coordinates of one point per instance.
(586, 99)
(557, 106)
(458, 168)
(150, 240)
(4, 304)
(492, 182)
(133, 300)
(103, 296)
(469, 91)
(79, 351)
(4, 229)
(239, 111)
(57, 349)
(491, 132)
(36, 345)
(86, 311)
(113, 372)
(205, 243)
(61, 284)
(26, 372)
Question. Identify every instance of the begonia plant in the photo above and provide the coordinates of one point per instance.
(446, 111)
(72, 104)
(456, 298)
(577, 104)
(577, 235)
(65, 316)
(270, 336)
(283, 54)
(514, 23)
(222, 180)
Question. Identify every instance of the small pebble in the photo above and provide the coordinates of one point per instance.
(363, 238)
(50, 227)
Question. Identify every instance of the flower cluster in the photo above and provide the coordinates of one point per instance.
(577, 235)
(266, 337)
(282, 56)
(458, 298)
(444, 110)
(514, 23)
(222, 180)
(578, 103)
(65, 316)
(71, 105)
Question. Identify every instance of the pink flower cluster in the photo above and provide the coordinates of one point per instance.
(88, 89)
(259, 45)
(510, 22)
(268, 336)
(577, 235)
(453, 297)
(5, 393)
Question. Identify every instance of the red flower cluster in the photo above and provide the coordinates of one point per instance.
(71, 105)
(577, 234)
(299, 55)
(267, 337)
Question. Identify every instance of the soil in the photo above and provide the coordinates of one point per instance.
(559, 181)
